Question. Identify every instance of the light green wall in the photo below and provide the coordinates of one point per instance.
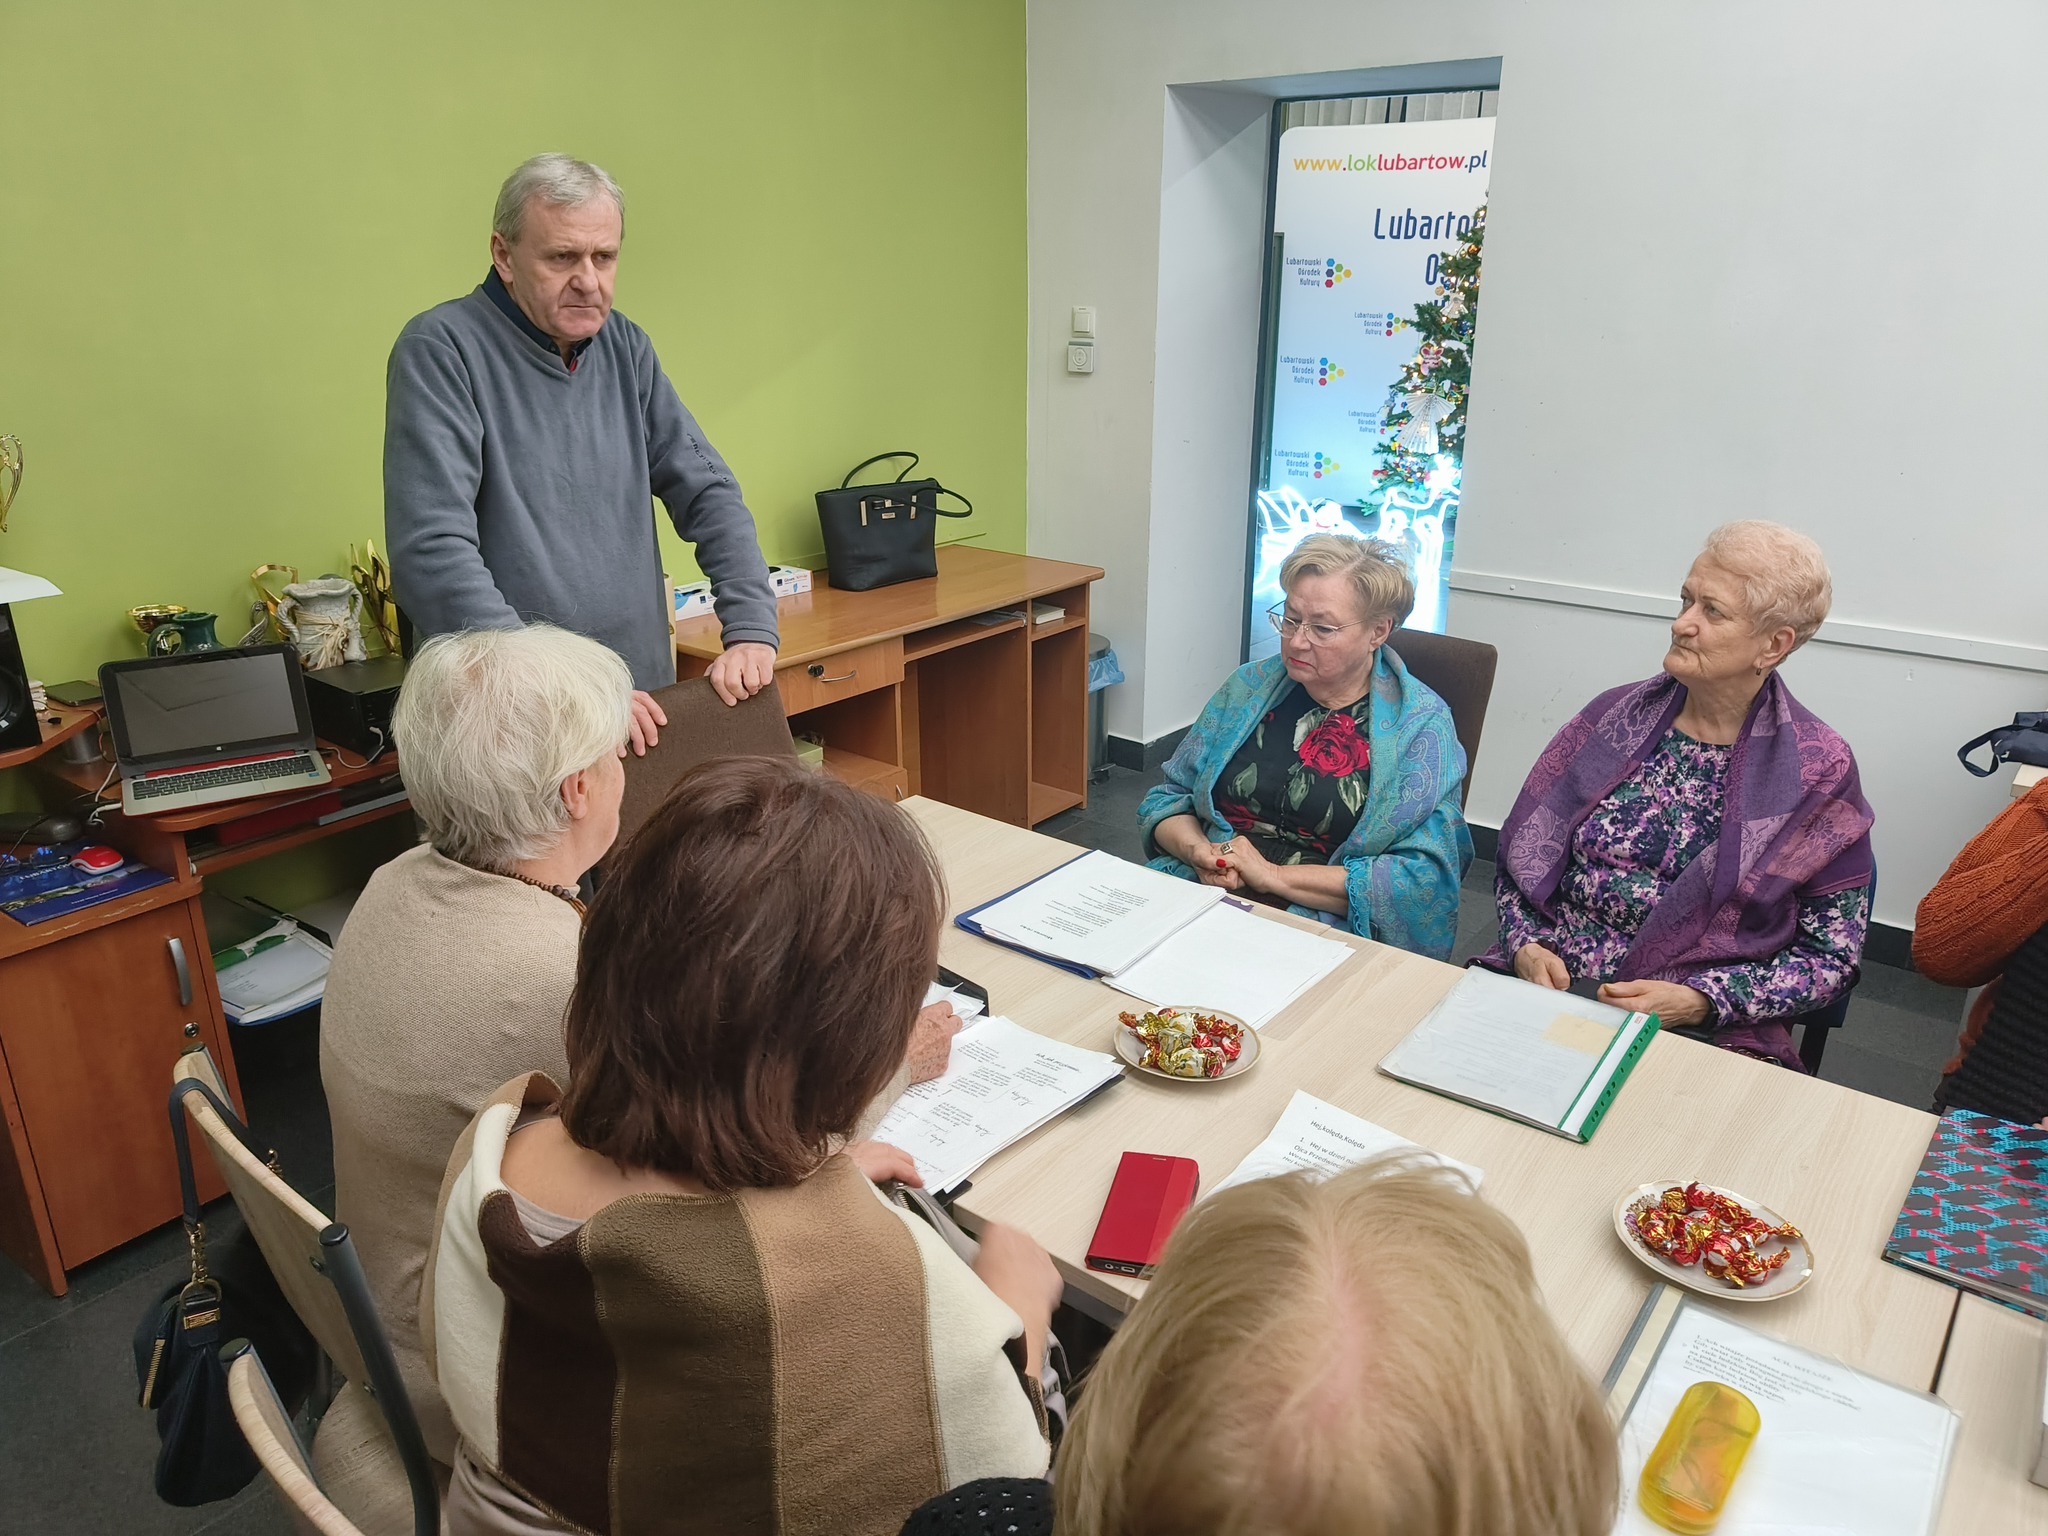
(215, 216)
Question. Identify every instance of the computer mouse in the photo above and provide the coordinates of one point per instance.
(96, 859)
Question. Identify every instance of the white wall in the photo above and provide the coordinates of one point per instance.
(1742, 260)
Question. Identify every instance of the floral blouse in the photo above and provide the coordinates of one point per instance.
(1298, 784)
(1625, 856)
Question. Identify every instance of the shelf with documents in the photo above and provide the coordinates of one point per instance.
(991, 717)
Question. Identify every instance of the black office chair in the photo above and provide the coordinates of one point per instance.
(1460, 672)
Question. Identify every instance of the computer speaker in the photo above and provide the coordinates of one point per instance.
(18, 727)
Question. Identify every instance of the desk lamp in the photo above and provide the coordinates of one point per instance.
(18, 726)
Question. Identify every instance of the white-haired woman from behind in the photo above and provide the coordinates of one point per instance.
(1699, 843)
(455, 968)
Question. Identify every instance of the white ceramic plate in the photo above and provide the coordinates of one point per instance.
(1131, 1051)
(1783, 1281)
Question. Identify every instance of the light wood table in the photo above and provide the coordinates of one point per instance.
(1992, 1377)
(2025, 777)
(1836, 1161)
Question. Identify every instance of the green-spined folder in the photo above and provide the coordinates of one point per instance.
(1552, 1060)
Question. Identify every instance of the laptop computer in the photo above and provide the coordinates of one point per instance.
(197, 729)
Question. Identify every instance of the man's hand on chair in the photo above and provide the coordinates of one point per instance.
(742, 670)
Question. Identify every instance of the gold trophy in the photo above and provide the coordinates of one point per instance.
(10, 476)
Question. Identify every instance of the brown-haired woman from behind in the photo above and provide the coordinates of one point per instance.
(667, 1286)
(1361, 1356)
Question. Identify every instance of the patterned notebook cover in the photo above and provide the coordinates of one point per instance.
(1977, 1214)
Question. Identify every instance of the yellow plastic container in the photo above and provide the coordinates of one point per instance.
(1689, 1476)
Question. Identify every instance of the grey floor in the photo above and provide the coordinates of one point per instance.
(76, 1453)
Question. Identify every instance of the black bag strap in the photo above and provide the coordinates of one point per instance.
(942, 491)
(1963, 752)
(901, 453)
(188, 1182)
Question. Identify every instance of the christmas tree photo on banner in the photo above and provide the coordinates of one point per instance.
(1421, 460)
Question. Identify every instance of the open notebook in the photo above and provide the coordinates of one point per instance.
(1553, 1060)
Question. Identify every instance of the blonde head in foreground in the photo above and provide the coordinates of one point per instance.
(1365, 1355)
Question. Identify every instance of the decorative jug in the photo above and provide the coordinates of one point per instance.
(184, 632)
(324, 619)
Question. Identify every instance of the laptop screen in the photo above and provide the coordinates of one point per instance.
(228, 699)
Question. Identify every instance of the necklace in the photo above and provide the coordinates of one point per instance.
(565, 892)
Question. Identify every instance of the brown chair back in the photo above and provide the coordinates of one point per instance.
(260, 1415)
(700, 725)
(1460, 672)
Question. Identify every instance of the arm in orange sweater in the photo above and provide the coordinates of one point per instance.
(1994, 896)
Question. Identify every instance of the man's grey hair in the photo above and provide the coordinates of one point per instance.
(490, 722)
(560, 179)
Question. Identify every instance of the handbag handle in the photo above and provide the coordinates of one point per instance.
(188, 1183)
(1963, 752)
(942, 491)
(901, 453)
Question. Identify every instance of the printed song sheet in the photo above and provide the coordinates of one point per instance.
(1002, 1084)
(1099, 911)
(1312, 1134)
(1235, 961)
(1837, 1450)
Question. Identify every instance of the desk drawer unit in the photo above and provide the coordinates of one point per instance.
(827, 679)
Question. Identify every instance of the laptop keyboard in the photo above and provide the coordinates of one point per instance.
(296, 766)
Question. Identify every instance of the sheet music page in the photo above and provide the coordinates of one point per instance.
(1236, 961)
(1508, 1043)
(1836, 1451)
(1312, 1134)
(1002, 1083)
(1099, 911)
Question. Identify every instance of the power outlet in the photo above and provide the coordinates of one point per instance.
(1080, 357)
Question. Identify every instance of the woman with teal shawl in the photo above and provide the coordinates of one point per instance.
(1325, 779)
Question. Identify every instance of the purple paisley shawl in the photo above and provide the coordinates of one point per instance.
(1794, 825)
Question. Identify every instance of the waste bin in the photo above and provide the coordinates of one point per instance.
(1103, 672)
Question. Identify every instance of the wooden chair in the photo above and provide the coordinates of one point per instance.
(700, 725)
(268, 1428)
(368, 1451)
(1460, 672)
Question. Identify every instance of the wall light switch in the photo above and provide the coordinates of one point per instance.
(1080, 357)
(1084, 319)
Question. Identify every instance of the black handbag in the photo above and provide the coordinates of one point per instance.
(877, 535)
(2024, 741)
(202, 1456)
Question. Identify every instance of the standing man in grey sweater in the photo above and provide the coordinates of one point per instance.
(527, 429)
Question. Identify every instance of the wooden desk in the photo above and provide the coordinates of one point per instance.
(1839, 1162)
(94, 1009)
(912, 696)
(1992, 1377)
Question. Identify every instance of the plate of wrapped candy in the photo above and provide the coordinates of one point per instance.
(1713, 1240)
(1187, 1045)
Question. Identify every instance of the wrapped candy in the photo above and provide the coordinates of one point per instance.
(1691, 1224)
(1186, 1044)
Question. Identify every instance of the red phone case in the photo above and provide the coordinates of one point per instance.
(1146, 1201)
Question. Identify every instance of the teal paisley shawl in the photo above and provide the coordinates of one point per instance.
(1406, 857)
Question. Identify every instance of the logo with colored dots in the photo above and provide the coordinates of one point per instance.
(1325, 465)
(1334, 271)
(1326, 371)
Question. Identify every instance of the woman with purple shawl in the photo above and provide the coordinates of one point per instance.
(1700, 843)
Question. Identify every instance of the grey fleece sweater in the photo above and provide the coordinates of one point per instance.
(517, 487)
